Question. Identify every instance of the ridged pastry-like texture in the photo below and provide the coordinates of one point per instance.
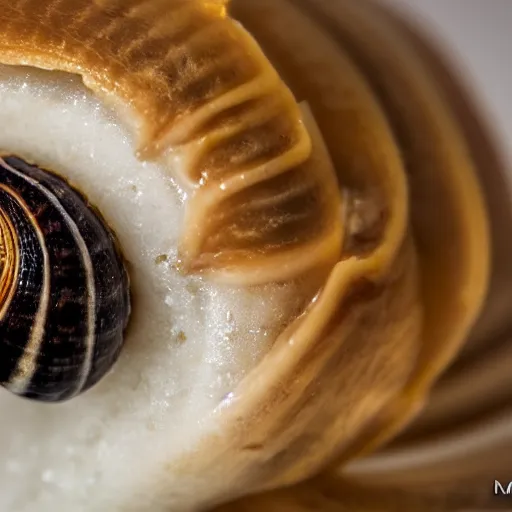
(206, 98)
(342, 362)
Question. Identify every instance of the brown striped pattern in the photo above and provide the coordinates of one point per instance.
(9, 262)
(65, 300)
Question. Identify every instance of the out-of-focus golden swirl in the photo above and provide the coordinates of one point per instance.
(446, 453)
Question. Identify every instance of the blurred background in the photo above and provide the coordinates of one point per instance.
(466, 427)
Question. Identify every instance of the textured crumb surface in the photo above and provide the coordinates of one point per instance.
(188, 345)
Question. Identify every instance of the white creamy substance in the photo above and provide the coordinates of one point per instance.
(188, 344)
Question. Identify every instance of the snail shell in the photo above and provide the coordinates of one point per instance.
(65, 300)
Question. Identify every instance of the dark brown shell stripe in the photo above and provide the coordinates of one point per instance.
(63, 328)
(207, 97)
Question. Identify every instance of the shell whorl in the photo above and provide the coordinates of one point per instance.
(64, 303)
(261, 206)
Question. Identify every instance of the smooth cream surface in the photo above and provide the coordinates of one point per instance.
(188, 344)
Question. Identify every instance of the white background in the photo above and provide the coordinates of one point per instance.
(477, 34)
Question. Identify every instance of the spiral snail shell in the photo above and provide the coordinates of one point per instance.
(65, 301)
(279, 278)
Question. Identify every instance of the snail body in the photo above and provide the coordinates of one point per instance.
(65, 301)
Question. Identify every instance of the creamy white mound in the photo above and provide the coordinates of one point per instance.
(188, 345)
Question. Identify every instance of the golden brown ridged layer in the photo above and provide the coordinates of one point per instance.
(206, 97)
(354, 349)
